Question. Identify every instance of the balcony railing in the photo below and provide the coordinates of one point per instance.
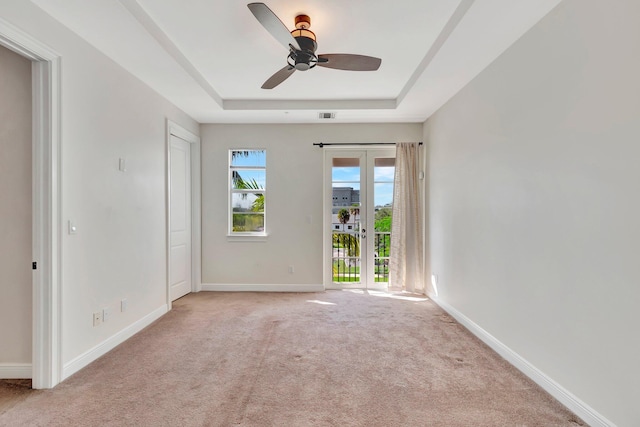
(346, 256)
(382, 247)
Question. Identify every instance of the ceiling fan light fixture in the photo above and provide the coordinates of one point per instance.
(303, 22)
(301, 32)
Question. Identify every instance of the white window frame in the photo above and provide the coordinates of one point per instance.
(245, 235)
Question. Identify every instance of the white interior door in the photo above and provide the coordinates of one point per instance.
(358, 200)
(180, 218)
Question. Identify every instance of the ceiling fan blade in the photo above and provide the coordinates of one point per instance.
(273, 24)
(346, 61)
(280, 76)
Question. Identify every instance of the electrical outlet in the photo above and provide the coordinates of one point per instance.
(106, 314)
(291, 269)
(97, 318)
(123, 305)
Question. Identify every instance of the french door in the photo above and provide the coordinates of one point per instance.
(358, 207)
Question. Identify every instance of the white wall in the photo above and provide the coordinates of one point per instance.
(119, 249)
(15, 209)
(294, 193)
(535, 206)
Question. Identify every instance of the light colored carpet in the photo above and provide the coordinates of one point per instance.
(336, 358)
(12, 392)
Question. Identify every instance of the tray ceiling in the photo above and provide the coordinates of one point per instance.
(210, 57)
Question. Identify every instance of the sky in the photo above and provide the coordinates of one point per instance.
(255, 158)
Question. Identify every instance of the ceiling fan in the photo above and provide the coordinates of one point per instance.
(302, 46)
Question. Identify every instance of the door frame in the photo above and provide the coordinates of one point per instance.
(46, 365)
(329, 153)
(174, 129)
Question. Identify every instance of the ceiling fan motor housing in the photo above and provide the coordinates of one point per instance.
(304, 58)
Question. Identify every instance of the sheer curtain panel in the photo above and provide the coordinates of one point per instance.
(406, 254)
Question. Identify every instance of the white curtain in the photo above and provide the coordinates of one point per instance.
(406, 254)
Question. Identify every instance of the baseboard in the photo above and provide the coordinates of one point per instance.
(581, 409)
(221, 287)
(101, 349)
(13, 371)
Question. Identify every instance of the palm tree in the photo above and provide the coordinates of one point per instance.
(355, 211)
(256, 206)
(347, 241)
(235, 176)
(343, 216)
(240, 183)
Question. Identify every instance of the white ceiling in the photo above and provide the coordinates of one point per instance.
(210, 57)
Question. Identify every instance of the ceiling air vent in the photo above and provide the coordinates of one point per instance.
(327, 115)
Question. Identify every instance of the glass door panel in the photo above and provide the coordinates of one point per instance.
(346, 237)
(383, 174)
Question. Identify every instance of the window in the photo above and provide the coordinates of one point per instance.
(247, 192)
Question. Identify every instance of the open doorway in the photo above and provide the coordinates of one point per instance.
(15, 215)
(358, 201)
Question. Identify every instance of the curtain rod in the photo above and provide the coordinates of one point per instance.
(322, 144)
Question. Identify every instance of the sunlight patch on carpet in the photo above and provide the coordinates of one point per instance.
(315, 301)
(406, 297)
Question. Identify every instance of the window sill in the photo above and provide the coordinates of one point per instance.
(247, 237)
